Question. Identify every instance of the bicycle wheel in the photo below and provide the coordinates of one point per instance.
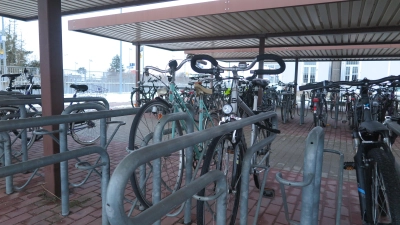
(385, 186)
(12, 113)
(133, 100)
(222, 155)
(85, 132)
(141, 133)
(260, 157)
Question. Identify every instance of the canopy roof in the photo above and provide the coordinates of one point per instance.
(28, 9)
(364, 29)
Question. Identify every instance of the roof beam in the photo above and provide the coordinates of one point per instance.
(275, 35)
(300, 48)
(192, 10)
(324, 58)
(271, 46)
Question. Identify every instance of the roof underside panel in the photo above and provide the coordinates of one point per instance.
(321, 17)
(28, 9)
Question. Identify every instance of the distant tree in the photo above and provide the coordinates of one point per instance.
(114, 65)
(33, 63)
(16, 53)
(82, 70)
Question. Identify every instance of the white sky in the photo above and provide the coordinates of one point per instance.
(79, 48)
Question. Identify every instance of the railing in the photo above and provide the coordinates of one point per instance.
(9, 170)
(311, 183)
(121, 175)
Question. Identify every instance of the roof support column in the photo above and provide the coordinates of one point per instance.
(261, 66)
(296, 72)
(51, 67)
(137, 72)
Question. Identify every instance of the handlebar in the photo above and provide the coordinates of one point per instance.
(217, 69)
(364, 82)
(173, 67)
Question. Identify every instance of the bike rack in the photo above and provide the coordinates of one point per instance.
(302, 107)
(10, 170)
(55, 120)
(246, 167)
(22, 100)
(311, 183)
(121, 175)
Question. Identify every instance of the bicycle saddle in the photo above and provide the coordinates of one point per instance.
(260, 82)
(373, 126)
(200, 89)
(13, 75)
(79, 87)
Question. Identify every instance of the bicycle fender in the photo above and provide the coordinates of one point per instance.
(163, 100)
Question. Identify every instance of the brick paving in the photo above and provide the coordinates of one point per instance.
(35, 205)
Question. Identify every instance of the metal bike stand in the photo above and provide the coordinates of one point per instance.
(311, 184)
(245, 173)
(63, 119)
(336, 107)
(302, 108)
(157, 138)
(10, 170)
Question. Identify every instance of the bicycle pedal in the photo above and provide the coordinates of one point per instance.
(268, 193)
(349, 165)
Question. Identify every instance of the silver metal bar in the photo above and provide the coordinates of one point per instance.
(25, 101)
(246, 167)
(116, 213)
(116, 189)
(340, 184)
(312, 166)
(302, 108)
(157, 138)
(6, 141)
(58, 119)
(64, 148)
(60, 157)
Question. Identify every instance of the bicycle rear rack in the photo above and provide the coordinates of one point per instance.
(311, 183)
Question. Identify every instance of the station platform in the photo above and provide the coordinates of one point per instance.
(35, 205)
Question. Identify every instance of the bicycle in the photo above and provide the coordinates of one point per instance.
(226, 152)
(144, 96)
(287, 101)
(319, 106)
(13, 112)
(169, 101)
(377, 180)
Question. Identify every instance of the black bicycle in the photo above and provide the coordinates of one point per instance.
(146, 93)
(377, 179)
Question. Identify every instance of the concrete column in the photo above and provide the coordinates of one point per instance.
(336, 71)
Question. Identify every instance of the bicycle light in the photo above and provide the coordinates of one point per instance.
(227, 109)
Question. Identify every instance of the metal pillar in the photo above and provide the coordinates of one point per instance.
(296, 73)
(302, 107)
(137, 69)
(261, 66)
(50, 39)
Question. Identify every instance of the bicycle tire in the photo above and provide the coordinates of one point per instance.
(9, 111)
(142, 130)
(258, 156)
(85, 132)
(132, 102)
(215, 155)
(385, 186)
